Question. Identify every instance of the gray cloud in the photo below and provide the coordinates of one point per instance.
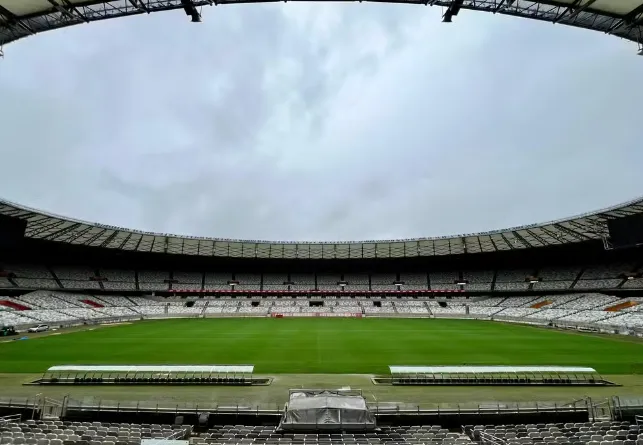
(320, 122)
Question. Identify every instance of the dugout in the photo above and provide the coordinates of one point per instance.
(149, 374)
(495, 375)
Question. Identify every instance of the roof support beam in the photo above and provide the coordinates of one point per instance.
(190, 9)
(62, 231)
(109, 239)
(140, 238)
(632, 19)
(75, 235)
(504, 238)
(14, 20)
(571, 232)
(95, 237)
(129, 235)
(540, 239)
(574, 9)
(139, 4)
(493, 243)
(554, 235)
(588, 227)
(46, 227)
(503, 4)
(452, 10)
(522, 240)
(71, 7)
(61, 9)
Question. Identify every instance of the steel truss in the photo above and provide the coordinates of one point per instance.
(580, 14)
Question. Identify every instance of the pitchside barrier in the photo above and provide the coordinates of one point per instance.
(316, 314)
(448, 415)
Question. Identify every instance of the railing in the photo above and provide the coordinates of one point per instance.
(182, 433)
(596, 327)
(53, 407)
(10, 418)
(490, 439)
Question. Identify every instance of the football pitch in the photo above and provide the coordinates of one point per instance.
(323, 345)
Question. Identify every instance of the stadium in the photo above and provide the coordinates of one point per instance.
(521, 336)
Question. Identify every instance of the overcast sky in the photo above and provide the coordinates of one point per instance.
(320, 122)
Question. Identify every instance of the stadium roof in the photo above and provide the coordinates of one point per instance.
(585, 227)
(161, 369)
(488, 369)
(21, 18)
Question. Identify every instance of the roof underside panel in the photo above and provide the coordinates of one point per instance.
(21, 18)
(587, 227)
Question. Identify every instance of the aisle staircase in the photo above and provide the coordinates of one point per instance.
(205, 307)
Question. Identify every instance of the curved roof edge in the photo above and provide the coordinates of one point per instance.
(621, 18)
(584, 227)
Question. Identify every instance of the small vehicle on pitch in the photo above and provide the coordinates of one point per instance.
(39, 328)
(6, 331)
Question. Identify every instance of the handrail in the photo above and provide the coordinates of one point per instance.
(11, 418)
(486, 438)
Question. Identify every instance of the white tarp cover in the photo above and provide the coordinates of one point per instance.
(326, 408)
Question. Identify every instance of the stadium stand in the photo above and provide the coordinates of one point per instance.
(217, 281)
(76, 277)
(248, 282)
(414, 281)
(478, 280)
(586, 433)
(357, 282)
(60, 307)
(56, 432)
(383, 282)
(118, 279)
(443, 280)
(152, 280)
(275, 282)
(552, 285)
(32, 276)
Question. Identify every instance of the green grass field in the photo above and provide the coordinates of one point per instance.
(323, 345)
